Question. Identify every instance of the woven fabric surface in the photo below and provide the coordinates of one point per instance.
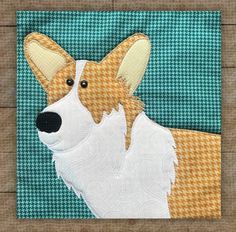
(197, 190)
(181, 87)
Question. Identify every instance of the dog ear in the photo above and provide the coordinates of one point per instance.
(45, 57)
(130, 58)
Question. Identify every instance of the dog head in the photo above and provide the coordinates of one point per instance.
(74, 106)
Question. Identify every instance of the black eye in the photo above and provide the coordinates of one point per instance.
(70, 82)
(84, 84)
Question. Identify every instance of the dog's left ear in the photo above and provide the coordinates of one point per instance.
(130, 59)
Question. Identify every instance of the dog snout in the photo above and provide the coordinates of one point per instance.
(48, 122)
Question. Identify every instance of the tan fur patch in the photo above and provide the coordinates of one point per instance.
(58, 87)
(197, 190)
(104, 93)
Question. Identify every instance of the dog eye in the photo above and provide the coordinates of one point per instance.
(84, 84)
(70, 82)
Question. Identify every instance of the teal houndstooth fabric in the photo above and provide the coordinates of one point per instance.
(181, 87)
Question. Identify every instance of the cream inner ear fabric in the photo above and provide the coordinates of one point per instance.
(48, 61)
(134, 63)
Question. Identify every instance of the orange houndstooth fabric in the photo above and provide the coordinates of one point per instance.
(197, 190)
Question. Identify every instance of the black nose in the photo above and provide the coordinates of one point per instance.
(48, 122)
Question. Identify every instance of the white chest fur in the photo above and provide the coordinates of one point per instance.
(116, 183)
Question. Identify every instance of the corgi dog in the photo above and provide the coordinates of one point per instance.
(104, 146)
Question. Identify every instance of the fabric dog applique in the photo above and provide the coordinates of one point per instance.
(104, 146)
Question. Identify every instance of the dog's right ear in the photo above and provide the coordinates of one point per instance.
(45, 57)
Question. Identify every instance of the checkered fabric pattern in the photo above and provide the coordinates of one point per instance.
(196, 192)
(181, 87)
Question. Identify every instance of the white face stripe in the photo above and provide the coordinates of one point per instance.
(80, 64)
